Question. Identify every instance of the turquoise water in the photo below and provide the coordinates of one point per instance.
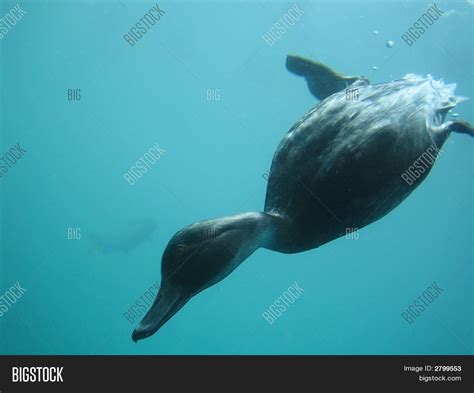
(216, 152)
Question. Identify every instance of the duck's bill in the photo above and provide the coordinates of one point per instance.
(167, 303)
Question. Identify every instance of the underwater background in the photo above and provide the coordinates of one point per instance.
(204, 86)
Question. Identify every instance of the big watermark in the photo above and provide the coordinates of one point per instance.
(10, 19)
(429, 17)
(282, 303)
(144, 163)
(421, 303)
(143, 25)
(421, 165)
(279, 29)
(10, 297)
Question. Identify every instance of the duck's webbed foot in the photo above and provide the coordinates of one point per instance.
(462, 127)
(322, 80)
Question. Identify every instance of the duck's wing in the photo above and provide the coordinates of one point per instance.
(322, 80)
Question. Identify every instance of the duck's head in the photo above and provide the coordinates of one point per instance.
(195, 258)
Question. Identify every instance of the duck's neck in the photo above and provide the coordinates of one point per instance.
(248, 232)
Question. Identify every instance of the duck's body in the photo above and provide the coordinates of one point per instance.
(338, 169)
